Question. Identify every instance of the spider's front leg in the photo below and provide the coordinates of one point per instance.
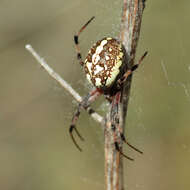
(84, 104)
(115, 103)
(116, 126)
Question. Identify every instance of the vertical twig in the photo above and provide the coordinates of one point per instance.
(129, 34)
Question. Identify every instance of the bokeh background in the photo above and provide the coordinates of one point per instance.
(36, 151)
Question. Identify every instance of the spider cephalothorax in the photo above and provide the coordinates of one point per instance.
(106, 68)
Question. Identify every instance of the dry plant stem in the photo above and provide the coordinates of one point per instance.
(60, 80)
(129, 35)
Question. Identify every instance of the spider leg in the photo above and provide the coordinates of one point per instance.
(120, 151)
(120, 130)
(130, 71)
(84, 104)
(76, 40)
(115, 123)
(116, 126)
(125, 141)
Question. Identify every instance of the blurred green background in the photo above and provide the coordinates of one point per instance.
(36, 151)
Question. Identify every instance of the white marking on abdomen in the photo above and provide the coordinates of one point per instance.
(98, 69)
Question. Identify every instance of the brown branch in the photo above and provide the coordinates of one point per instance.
(129, 35)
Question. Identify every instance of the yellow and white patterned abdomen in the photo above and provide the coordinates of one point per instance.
(103, 62)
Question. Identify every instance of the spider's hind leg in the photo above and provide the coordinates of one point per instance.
(130, 71)
(76, 40)
(84, 104)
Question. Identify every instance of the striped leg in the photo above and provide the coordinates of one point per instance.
(134, 67)
(76, 40)
(117, 128)
(115, 123)
(91, 97)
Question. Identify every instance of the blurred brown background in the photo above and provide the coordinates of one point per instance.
(36, 151)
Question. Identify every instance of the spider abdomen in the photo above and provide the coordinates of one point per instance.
(103, 62)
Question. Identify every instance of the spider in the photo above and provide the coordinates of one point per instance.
(106, 69)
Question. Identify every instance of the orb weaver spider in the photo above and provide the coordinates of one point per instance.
(105, 67)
